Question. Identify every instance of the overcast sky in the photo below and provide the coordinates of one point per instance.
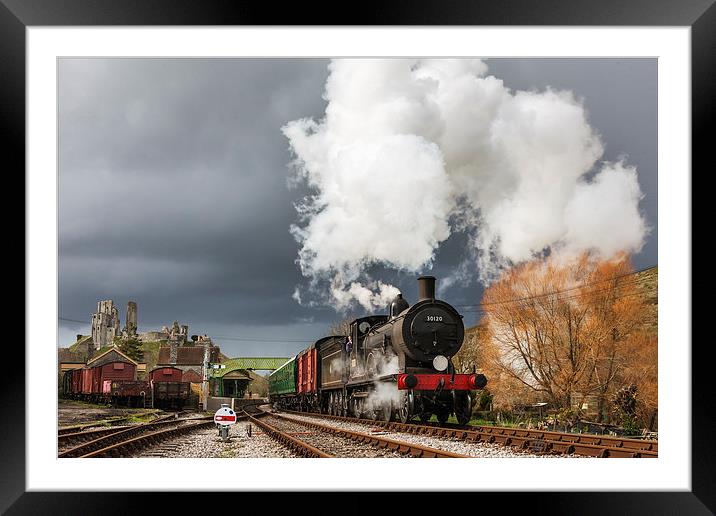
(173, 187)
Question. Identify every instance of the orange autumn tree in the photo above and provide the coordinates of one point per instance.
(567, 327)
(479, 353)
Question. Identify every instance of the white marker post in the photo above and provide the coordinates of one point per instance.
(224, 418)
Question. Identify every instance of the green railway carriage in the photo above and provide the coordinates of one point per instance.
(282, 381)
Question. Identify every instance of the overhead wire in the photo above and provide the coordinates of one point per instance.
(475, 308)
(551, 293)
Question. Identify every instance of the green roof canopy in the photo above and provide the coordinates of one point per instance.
(257, 363)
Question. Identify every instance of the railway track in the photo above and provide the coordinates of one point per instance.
(536, 441)
(327, 442)
(108, 421)
(69, 439)
(121, 442)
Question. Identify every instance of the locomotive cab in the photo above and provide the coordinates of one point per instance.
(360, 351)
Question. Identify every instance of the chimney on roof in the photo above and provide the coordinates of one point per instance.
(173, 349)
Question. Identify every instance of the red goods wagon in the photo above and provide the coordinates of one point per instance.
(307, 371)
(76, 387)
(116, 371)
(169, 389)
(86, 381)
(93, 377)
(166, 374)
(96, 379)
(125, 388)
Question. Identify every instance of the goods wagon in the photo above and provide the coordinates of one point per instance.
(67, 382)
(168, 389)
(165, 374)
(86, 381)
(111, 377)
(126, 389)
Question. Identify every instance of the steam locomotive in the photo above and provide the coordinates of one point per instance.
(389, 366)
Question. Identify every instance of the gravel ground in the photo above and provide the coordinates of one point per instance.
(441, 443)
(207, 444)
(333, 444)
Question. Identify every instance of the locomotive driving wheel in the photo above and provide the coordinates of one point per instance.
(406, 406)
(331, 404)
(341, 405)
(442, 414)
(463, 408)
(386, 411)
(425, 416)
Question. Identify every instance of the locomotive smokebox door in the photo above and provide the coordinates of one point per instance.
(224, 418)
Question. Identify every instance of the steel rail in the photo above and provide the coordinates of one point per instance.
(125, 448)
(416, 450)
(78, 427)
(302, 448)
(537, 441)
(122, 434)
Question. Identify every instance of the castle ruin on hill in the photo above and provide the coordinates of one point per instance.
(105, 323)
(106, 327)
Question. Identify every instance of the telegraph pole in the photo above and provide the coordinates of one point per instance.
(205, 378)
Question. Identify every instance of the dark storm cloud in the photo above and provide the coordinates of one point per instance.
(173, 185)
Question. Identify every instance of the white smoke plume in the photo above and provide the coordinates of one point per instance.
(410, 151)
(366, 297)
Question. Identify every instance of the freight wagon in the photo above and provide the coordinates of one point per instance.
(108, 378)
(168, 389)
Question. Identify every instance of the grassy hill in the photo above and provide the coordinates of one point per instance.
(149, 348)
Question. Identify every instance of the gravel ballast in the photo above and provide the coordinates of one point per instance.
(206, 443)
(472, 449)
(332, 444)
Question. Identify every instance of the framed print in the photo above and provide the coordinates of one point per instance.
(423, 216)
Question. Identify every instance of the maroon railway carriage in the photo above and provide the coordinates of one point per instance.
(168, 389)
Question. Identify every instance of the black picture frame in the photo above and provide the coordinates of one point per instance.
(700, 15)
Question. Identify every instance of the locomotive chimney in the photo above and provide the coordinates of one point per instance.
(426, 288)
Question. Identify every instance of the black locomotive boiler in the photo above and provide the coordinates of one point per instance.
(402, 362)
